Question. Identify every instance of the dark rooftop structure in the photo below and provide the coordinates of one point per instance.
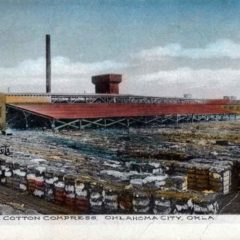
(107, 83)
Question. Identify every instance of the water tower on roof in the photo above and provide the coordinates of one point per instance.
(107, 83)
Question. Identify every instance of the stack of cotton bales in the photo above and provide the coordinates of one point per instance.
(198, 177)
(39, 181)
(161, 204)
(49, 181)
(141, 202)
(202, 178)
(110, 196)
(191, 178)
(179, 168)
(19, 174)
(59, 189)
(220, 179)
(69, 181)
(155, 181)
(31, 178)
(96, 198)
(14, 178)
(182, 206)
(2, 170)
(8, 173)
(125, 200)
(176, 183)
(166, 202)
(35, 176)
(205, 205)
(82, 191)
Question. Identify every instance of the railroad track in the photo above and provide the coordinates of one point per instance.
(9, 196)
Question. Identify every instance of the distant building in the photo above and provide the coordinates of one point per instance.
(187, 96)
(230, 97)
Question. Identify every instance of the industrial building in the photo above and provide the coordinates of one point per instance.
(107, 107)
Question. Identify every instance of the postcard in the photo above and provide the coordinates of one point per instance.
(119, 119)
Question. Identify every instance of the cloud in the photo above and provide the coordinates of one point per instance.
(188, 75)
(145, 77)
(64, 66)
(219, 49)
(199, 82)
(29, 75)
(60, 66)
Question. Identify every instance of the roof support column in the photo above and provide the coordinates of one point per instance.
(26, 119)
(53, 124)
(80, 124)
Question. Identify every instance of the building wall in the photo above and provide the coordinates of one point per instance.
(18, 99)
(114, 88)
(27, 99)
(2, 111)
(102, 88)
(234, 108)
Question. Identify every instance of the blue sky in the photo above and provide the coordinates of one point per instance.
(162, 47)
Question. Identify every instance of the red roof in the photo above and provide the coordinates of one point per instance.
(104, 110)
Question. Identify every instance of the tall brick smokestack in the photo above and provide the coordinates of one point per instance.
(48, 64)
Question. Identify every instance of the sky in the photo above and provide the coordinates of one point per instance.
(162, 47)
